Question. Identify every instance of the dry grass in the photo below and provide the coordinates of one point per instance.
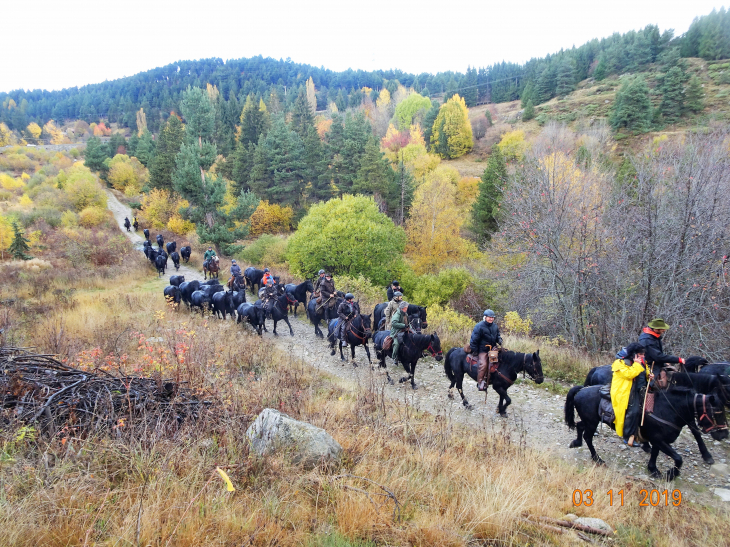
(455, 487)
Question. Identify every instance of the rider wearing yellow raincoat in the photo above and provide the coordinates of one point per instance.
(622, 394)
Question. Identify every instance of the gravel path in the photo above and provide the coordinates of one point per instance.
(536, 414)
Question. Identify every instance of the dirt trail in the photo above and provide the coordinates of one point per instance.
(535, 412)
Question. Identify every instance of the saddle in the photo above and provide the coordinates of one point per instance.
(605, 407)
(387, 343)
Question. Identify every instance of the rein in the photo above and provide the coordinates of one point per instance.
(364, 331)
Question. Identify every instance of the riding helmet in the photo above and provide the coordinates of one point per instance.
(266, 270)
(395, 282)
(489, 313)
(233, 261)
(321, 272)
(349, 296)
(397, 293)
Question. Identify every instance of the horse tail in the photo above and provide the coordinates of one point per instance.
(570, 406)
(447, 365)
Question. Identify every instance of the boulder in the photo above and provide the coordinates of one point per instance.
(594, 523)
(722, 493)
(276, 433)
(720, 469)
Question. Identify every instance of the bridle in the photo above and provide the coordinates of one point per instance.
(709, 416)
(366, 333)
(532, 374)
(433, 351)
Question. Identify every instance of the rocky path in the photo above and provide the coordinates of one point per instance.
(536, 413)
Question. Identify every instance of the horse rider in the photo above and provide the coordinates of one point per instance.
(317, 283)
(626, 388)
(269, 296)
(651, 339)
(127, 224)
(346, 311)
(398, 327)
(392, 308)
(236, 273)
(266, 277)
(484, 338)
(135, 224)
(327, 297)
(394, 286)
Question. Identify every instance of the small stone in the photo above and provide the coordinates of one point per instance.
(594, 523)
(570, 517)
(722, 493)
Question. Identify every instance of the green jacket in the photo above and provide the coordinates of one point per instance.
(398, 322)
(209, 254)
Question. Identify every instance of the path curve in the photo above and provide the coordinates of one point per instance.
(535, 414)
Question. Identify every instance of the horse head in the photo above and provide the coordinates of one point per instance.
(535, 368)
(309, 286)
(422, 316)
(711, 416)
(367, 325)
(694, 363)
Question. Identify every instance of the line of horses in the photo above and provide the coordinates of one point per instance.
(696, 397)
(158, 257)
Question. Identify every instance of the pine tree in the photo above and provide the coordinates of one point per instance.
(145, 148)
(469, 87)
(255, 121)
(375, 175)
(601, 70)
(695, 95)
(640, 52)
(632, 107)
(527, 92)
(302, 116)
(565, 81)
(169, 142)
(672, 105)
(428, 122)
(313, 160)
(117, 145)
(529, 112)
(485, 211)
(95, 155)
(19, 247)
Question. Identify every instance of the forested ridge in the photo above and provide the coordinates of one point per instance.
(158, 91)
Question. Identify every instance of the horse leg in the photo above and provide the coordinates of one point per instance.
(367, 350)
(578, 441)
(331, 341)
(706, 456)
(460, 388)
(651, 465)
(275, 322)
(588, 431)
(352, 354)
(413, 375)
(669, 450)
(291, 330)
(502, 408)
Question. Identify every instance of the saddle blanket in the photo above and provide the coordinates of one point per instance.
(649, 408)
(473, 362)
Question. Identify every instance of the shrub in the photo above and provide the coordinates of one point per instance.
(69, 219)
(50, 215)
(25, 201)
(365, 292)
(92, 216)
(127, 174)
(268, 248)
(178, 225)
(438, 289)
(9, 183)
(83, 188)
(514, 324)
(159, 206)
(270, 219)
(513, 145)
(453, 328)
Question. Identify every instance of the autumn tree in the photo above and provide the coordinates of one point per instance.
(451, 135)
(33, 131)
(6, 136)
(271, 219)
(434, 226)
(141, 122)
(127, 174)
(411, 110)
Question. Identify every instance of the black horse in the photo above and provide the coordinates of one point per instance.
(378, 318)
(146, 233)
(298, 294)
(160, 264)
(171, 246)
(185, 252)
(175, 259)
(160, 241)
(254, 315)
(317, 313)
(221, 304)
(673, 409)
(187, 288)
(127, 224)
(177, 280)
(360, 331)
(510, 364)
(253, 277)
(409, 352)
(135, 225)
(172, 294)
(278, 313)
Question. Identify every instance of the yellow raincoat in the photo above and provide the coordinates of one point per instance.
(623, 376)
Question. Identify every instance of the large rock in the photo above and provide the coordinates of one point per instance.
(273, 432)
(720, 469)
(722, 493)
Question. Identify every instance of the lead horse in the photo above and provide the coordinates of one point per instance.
(510, 364)
(211, 267)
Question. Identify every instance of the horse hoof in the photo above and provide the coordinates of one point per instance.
(655, 474)
(469, 407)
(332, 352)
(502, 414)
(709, 460)
(451, 396)
(599, 461)
(404, 379)
(646, 447)
(574, 444)
(414, 386)
(672, 474)
(391, 382)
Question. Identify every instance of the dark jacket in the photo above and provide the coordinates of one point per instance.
(236, 270)
(391, 291)
(484, 334)
(327, 288)
(346, 311)
(318, 283)
(654, 351)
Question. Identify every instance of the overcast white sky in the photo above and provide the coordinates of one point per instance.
(54, 44)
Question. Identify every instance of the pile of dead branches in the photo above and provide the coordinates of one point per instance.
(40, 390)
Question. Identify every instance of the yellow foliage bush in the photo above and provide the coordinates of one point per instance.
(513, 145)
(6, 233)
(25, 177)
(25, 201)
(178, 225)
(69, 219)
(159, 206)
(83, 188)
(34, 238)
(127, 174)
(514, 324)
(453, 328)
(270, 219)
(10, 183)
(92, 216)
